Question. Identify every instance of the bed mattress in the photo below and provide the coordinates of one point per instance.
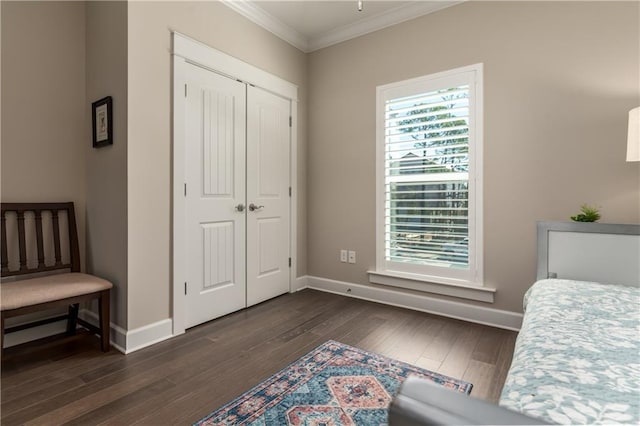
(577, 356)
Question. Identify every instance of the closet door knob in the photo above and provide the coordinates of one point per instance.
(240, 208)
(253, 207)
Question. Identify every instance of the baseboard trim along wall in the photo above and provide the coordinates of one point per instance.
(299, 284)
(478, 314)
(127, 341)
(148, 335)
(118, 336)
(34, 333)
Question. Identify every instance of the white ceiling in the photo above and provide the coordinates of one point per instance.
(310, 24)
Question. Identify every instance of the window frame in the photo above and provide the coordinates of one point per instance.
(473, 277)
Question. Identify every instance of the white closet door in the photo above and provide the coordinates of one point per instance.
(268, 140)
(215, 176)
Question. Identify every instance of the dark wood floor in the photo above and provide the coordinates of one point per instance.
(69, 381)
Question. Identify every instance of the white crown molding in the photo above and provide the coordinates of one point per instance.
(402, 13)
(258, 16)
(377, 22)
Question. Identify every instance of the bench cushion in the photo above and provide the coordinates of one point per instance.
(18, 294)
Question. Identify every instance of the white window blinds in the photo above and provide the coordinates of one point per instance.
(429, 197)
(427, 179)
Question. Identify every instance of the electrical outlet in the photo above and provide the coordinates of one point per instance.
(343, 256)
(352, 256)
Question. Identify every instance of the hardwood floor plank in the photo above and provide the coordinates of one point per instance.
(480, 374)
(137, 375)
(107, 411)
(37, 396)
(503, 363)
(428, 363)
(359, 328)
(411, 341)
(69, 381)
(442, 340)
(248, 362)
(457, 360)
(488, 348)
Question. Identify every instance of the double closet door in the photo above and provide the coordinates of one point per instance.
(237, 195)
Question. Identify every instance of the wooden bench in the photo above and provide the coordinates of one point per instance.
(66, 289)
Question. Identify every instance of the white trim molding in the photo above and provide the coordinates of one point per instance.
(477, 314)
(418, 283)
(367, 25)
(258, 16)
(293, 199)
(148, 335)
(400, 14)
(390, 271)
(118, 335)
(127, 341)
(299, 283)
(34, 333)
(198, 53)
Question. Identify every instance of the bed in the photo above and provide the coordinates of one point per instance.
(577, 356)
(576, 359)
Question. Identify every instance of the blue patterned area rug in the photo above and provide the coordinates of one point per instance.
(334, 384)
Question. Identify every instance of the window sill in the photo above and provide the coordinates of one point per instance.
(428, 284)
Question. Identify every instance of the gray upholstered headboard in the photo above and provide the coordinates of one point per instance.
(601, 252)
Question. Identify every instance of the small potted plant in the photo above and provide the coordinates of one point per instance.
(587, 214)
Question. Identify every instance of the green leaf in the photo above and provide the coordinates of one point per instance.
(588, 214)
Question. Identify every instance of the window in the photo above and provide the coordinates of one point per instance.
(429, 155)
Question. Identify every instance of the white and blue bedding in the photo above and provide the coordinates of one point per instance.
(577, 357)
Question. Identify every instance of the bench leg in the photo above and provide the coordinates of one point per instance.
(72, 321)
(104, 320)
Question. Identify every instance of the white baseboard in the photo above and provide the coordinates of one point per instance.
(148, 335)
(35, 333)
(118, 335)
(127, 341)
(447, 308)
(299, 284)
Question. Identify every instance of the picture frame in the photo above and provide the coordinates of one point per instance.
(102, 120)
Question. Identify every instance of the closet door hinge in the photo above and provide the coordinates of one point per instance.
(185, 288)
(290, 121)
(289, 262)
(289, 191)
(185, 90)
(185, 189)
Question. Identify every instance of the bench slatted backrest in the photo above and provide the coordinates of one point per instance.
(37, 209)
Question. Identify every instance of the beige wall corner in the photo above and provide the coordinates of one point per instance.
(106, 174)
(44, 110)
(557, 92)
(149, 132)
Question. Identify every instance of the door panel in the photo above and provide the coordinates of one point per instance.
(268, 140)
(218, 254)
(215, 176)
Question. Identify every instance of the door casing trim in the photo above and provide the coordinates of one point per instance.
(187, 50)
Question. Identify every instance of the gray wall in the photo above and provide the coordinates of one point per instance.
(559, 80)
(106, 174)
(43, 94)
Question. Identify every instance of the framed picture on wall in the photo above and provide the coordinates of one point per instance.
(102, 118)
